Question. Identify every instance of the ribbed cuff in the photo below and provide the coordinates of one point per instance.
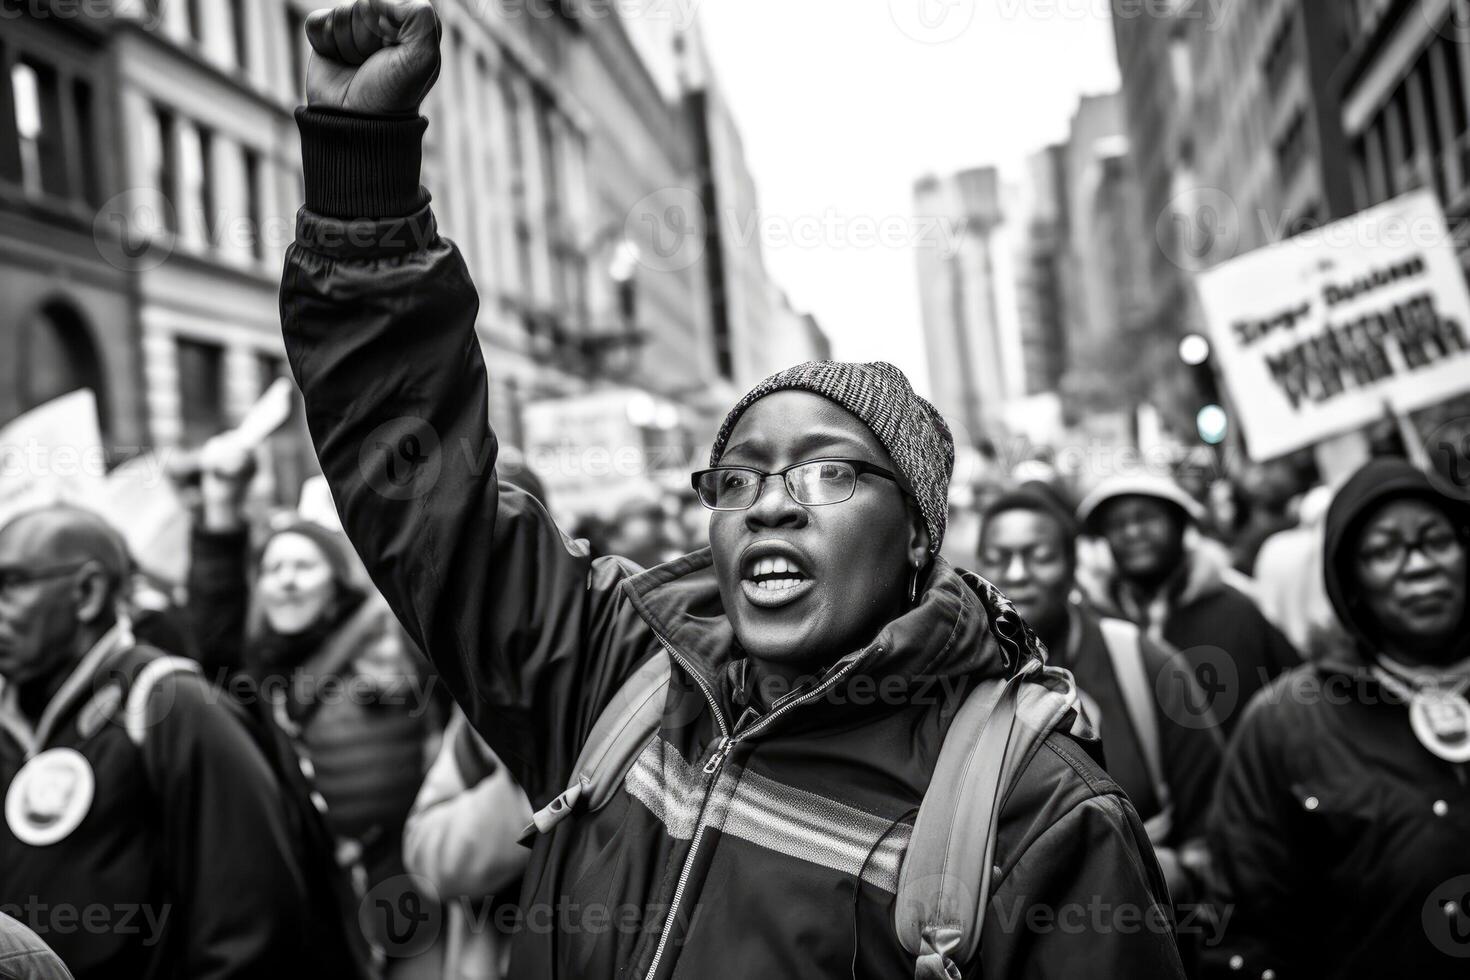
(361, 166)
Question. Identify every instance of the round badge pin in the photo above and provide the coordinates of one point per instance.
(49, 797)
(1441, 722)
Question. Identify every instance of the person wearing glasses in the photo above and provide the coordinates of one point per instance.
(1343, 811)
(143, 832)
(817, 649)
(1177, 586)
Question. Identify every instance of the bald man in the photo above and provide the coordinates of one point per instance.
(144, 834)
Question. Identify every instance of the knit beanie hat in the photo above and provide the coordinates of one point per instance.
(907, 426)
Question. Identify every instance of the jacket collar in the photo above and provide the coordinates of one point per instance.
(117, 639)
(948, 634)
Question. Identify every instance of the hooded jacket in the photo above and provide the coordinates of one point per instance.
(740, 844)
(1339, 842)
(1213, 623)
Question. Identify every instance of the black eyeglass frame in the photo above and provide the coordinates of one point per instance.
(859, 466)
(18, 578)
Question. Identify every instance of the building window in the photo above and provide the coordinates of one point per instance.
(201, 389)
(58, 357)
(38, 127)
(195, 12)
(197, 198)
(166, 166)
(1291, 148)
(1282, 54)
(239, 31)
(252, 205)
(81, 99)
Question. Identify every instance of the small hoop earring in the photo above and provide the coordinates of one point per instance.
(914, 586)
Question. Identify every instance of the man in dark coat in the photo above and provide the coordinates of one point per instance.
(143, 832)
(1169, 581)
(1339, 835)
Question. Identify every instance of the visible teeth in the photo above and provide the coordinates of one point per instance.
(774, 566)
(777, 584)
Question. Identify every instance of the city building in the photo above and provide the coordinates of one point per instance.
(1405, 86)
(149, 178)
(1041, 270)
(65, 312)
(968, 303)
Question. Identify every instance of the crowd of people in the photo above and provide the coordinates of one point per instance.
(1156, 729)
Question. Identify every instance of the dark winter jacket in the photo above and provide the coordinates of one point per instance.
(1189, 743)
(1233, 648)
(759, 845)
(1339, 842)
(181, 865)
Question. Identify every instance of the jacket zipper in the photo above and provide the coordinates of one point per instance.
(712, 768)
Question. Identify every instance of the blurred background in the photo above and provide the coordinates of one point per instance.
(663, 201)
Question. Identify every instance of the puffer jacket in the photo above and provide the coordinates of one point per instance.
(739, 844)
(1338, 841)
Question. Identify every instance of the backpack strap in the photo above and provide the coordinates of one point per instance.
(619, 734)
(945, 883)
(1124, 641)
(135, 710)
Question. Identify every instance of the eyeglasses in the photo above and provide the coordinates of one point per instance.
(814, 483)
(14, 579)
(1389, 555)
(1032, 557)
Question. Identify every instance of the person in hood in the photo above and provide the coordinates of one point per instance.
(816, 650)
(144, 834)
(1166, 579)
(1344, 807)
(341, 678)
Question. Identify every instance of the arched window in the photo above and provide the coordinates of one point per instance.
(58, 356)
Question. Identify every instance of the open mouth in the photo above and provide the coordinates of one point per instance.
(773, 580)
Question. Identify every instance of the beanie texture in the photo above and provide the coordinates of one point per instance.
(907, 426)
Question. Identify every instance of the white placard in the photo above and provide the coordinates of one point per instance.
(1318, 334)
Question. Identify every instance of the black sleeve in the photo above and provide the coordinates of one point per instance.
(219, 599)
(230, 847)
(528, 631)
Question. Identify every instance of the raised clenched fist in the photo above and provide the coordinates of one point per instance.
(378, 56)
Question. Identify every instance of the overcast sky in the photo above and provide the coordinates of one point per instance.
(843, 104)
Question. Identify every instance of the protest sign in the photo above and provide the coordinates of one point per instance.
(52, 454)
(1319, 334)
